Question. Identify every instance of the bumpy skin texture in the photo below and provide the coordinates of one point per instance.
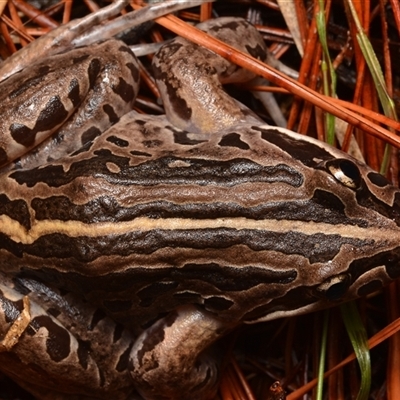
(64, 334)
(234, 224)
(167, 230)
(189, 78)
(183, 214)
(99, 89)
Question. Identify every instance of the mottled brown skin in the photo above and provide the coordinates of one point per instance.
(166, 231)
(99, 89)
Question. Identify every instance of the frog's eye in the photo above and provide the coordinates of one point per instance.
(346, 172)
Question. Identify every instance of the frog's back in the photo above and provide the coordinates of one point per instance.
(245, 223)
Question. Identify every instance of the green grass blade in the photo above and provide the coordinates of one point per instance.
(358, 337)
(321, 366)
(377, 76)
(328, 72)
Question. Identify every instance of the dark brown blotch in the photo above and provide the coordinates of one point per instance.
(22, 134)
(140, 153)
(74, 92)
(233, 140)
(217, 303)
(134, 71)
(117, 141)
(112, 115)
(257, 52)
(90, 134)
(93, 71)
(53, 114)
(17, 210)
(58, 343)
(83, 353)
(307, 153)
(43, 70)
(124, 90)
(378, 179)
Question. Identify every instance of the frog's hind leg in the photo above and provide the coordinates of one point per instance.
(59, 346)
(175, 359)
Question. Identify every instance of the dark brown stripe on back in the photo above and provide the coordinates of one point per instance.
(86, 249)
(156, 172)
(107, 209)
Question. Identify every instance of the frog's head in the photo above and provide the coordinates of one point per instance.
(338, 235)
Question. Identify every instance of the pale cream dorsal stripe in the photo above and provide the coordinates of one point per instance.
(19, 234)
